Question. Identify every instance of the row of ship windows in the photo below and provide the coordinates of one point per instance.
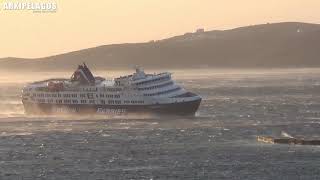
(113, 89)
(163, 92)
(105, 89)
(110, 102)
(109, 96)
(85, 89)
(74, 101)
(154, 80)
(119, 102)
(76, 95)
(66, 101)
(158, 86)
(134, 102)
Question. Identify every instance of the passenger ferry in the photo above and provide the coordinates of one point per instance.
(85, 94)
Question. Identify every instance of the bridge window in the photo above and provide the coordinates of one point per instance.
(154, 80)
(163, 92)
(157, 86)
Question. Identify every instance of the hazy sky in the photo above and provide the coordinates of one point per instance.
(79, 24)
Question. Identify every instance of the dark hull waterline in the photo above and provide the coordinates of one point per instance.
(182, 108)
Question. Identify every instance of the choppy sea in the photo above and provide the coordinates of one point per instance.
(218, 143)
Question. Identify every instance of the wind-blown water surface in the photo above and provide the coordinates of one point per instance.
(219, 143)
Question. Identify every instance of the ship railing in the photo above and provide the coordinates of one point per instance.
(48, 80)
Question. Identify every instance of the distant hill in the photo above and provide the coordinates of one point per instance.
(287, 44)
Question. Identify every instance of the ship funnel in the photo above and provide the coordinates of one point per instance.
(83, 75)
